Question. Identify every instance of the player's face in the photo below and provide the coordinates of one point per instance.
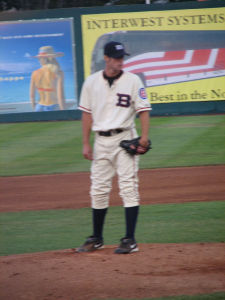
(114, 65)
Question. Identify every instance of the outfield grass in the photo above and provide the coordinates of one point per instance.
(55, 147)
(34, 231)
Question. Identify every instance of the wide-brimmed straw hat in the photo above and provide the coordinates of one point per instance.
(48, 51)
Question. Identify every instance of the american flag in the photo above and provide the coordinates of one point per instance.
(166, 67)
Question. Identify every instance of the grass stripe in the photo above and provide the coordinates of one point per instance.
(34, 231)
(214, 296)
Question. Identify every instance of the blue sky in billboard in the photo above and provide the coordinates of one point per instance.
(19, 44)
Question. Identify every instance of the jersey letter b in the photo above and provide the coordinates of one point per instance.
(123, 100)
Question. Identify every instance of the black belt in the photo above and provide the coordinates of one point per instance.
(110, 132)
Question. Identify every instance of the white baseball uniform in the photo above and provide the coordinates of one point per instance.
(113, 112)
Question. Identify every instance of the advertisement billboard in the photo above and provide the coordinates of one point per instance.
(178, 54)
(37, 66)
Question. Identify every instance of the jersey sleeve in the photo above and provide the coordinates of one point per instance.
(85, 99)
(142, 102)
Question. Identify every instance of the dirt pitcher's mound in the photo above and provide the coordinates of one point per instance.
(156, 270)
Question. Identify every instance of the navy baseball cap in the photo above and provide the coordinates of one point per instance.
(115, 50)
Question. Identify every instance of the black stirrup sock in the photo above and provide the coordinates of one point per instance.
(131, 214)
(98, 218)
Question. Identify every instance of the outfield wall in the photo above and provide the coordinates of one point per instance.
(188, 38)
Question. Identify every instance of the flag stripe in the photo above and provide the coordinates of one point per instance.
(172, 63)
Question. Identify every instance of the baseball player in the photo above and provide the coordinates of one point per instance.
(110, 100)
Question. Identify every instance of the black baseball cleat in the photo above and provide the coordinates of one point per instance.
(127, 246)
(91, 244)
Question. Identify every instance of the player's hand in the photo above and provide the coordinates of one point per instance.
(144, 142)
(87, 152)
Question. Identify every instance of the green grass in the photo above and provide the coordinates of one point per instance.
(34, 231)
(214, 296)
(41, 148)
(55, 147)
(186, 141)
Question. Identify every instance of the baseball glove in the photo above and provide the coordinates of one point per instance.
(133, 147)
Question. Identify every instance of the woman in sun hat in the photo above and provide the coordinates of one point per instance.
(48, 81)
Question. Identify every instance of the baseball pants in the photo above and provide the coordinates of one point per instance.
(110, 159)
